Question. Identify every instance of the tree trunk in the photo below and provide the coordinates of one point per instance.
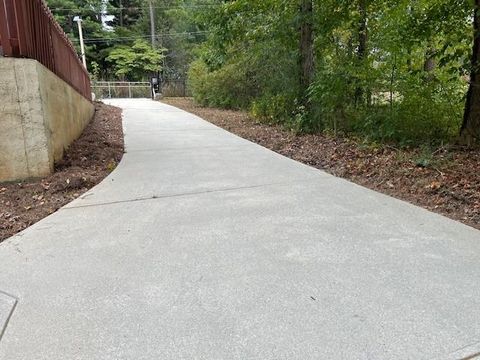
(410, 13)
(306, 48)
(470, 131)
(429, 63)
(362, 29)
(120, 5)
(362, 44)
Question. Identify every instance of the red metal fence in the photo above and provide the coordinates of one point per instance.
(28, 29)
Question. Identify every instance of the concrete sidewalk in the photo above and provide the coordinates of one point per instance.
(201, 245)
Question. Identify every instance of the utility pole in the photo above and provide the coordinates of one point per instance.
(152, 23)
(78, 19)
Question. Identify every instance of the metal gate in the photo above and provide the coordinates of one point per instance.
(121, 89)
(142, 89)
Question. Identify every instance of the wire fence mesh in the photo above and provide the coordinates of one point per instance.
(138, 89)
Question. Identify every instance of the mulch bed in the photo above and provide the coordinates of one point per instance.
(446, 182)
(86, 162)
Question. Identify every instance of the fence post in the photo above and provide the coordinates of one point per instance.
(109, 91)
(129, 91)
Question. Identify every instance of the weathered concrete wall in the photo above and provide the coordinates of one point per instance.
(40, 115)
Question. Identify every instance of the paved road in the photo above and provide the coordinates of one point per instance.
(202, 245)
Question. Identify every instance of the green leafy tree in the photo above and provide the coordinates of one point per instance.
(391, 70)
(137, 62)
(176, 29)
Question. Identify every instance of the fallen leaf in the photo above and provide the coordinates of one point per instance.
(435, 185)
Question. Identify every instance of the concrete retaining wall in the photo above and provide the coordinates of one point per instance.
(40, 115)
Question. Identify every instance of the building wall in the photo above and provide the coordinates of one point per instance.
(40, 116)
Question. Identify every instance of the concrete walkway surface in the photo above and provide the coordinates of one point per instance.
(202, 245)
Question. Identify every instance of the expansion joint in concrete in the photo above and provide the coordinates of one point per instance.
(186, 194)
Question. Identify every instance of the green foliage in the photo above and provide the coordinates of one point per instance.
(273, 109)
(135, 63)
(224, 88)
(408, 87)
(110, 26)
(248, 58)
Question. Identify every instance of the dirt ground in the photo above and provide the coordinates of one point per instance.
(446, 181)
(86, 162)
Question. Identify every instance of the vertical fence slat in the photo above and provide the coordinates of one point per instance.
(5, 29)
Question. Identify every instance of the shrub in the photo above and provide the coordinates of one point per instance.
(272, 109)
(226, 87)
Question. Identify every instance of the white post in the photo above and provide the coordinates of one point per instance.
(78, 19)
